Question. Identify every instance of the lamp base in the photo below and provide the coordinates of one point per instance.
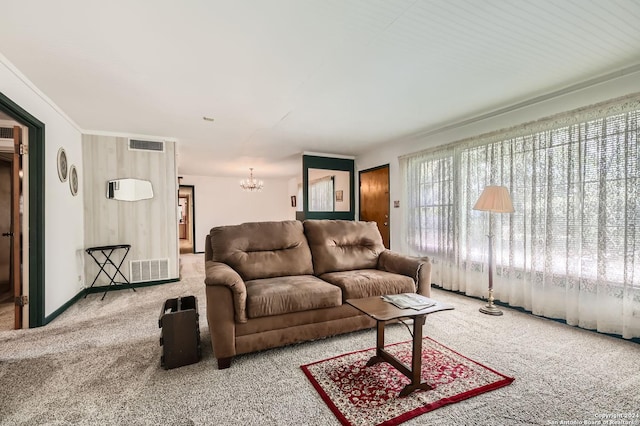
(490, 309)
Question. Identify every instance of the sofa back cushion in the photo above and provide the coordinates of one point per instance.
(343, 245)
(262, 249)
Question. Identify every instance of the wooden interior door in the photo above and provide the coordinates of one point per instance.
(6, 287)
(184, 218)
(374, 199)
(16, 250)
(186, 194)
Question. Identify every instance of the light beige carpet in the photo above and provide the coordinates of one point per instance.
(99, 363)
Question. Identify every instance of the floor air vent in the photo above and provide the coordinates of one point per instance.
(148, 270)
(139, 145)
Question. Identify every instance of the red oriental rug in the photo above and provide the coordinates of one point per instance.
(360, 395)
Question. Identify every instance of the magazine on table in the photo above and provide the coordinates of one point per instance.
(409, 301)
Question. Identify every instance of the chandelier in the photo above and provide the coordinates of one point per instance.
(251, 184)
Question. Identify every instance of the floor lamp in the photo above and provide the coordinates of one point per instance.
(494, 199)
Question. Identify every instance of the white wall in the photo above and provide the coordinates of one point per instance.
(293, 185)
(64, 216)
(220, 201)
(389, 152)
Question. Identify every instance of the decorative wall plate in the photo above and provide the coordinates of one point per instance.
(63, 167)
(73, 180)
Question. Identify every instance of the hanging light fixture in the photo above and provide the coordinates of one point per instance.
(251, 184)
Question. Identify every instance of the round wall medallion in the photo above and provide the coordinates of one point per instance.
(73, 180)
(62, 165)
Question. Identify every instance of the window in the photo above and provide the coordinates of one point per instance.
(431, 205)
(572, 247)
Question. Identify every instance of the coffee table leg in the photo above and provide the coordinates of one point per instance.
(379, 344)
(416, 360)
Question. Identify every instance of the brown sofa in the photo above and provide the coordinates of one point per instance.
(270, 284)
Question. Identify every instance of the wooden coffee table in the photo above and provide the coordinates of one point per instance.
(383, 311)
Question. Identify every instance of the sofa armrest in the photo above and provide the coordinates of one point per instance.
(221, 274)
(418, 268)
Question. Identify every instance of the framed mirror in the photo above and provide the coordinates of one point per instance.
(328, 188)
(129, 189)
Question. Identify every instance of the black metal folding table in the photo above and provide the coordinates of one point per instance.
(105, 253)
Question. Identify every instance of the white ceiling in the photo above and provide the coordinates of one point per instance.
(285, 76)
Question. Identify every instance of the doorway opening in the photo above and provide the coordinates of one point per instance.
(186, 221)
(375, 200)
(12, 297)
(33, 230)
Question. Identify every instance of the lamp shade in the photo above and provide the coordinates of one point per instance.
(494, 199)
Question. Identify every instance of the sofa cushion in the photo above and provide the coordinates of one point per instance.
(343, 245)
(262, 249)
(369, 282)
(282, 295)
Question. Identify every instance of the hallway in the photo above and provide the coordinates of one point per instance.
(185, 246)
(6, 311)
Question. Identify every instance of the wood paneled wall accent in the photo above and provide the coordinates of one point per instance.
(150, 226)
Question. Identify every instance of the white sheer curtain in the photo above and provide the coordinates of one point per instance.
(321, 194)
(571, 250)
(300, 199)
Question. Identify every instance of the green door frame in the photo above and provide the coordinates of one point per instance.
(36, 207)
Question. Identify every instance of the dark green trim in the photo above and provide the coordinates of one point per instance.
(36, 207)
(63, 308)
(103, 288)
(329, 163)
(523, 310)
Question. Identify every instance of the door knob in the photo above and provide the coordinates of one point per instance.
(7, 234)
(386, 224)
